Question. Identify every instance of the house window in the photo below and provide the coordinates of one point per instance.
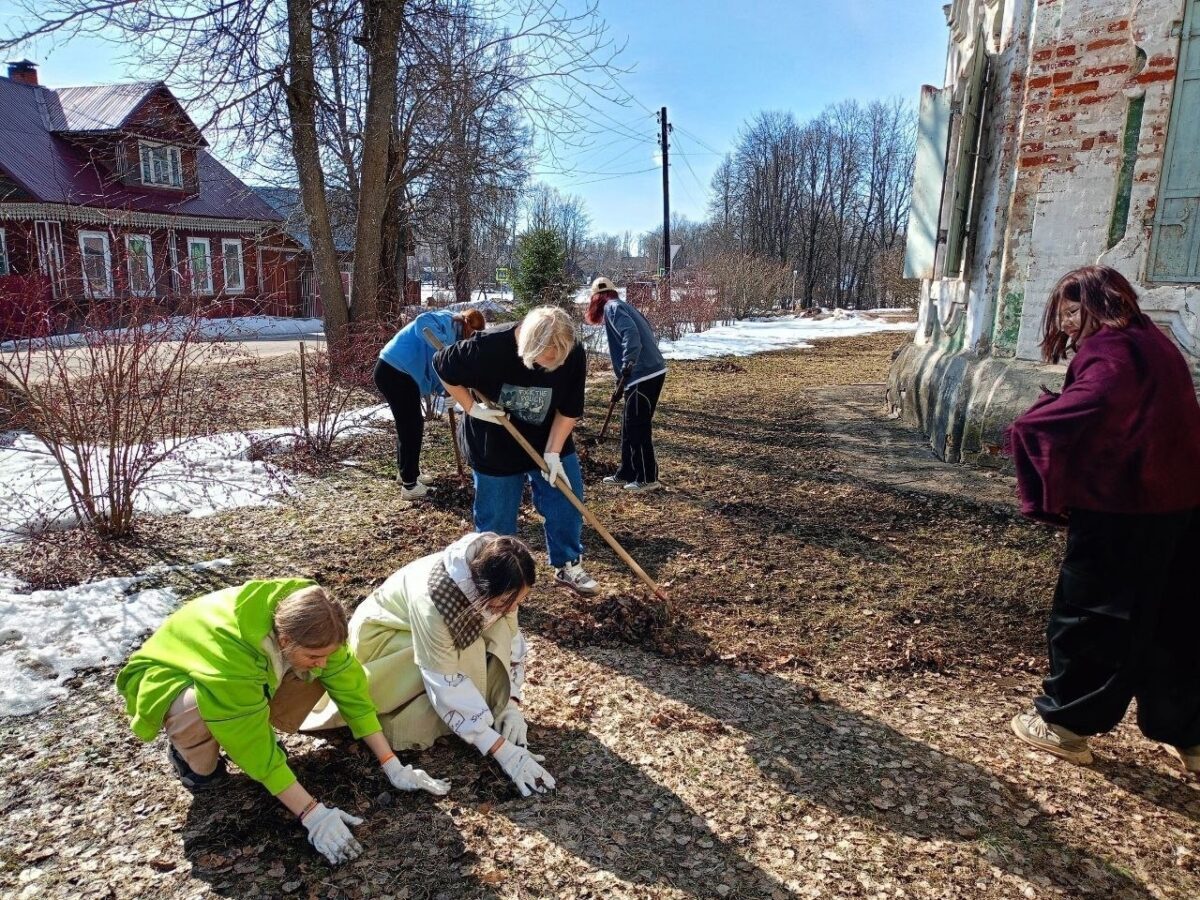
(161, 165)
(139, 261)
(231, 259)
(96, 260)
(1174, 248)
(4, 269)
(200, 265)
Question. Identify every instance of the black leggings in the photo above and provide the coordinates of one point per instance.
(404, 398)
(638, 462)
(1124, 623)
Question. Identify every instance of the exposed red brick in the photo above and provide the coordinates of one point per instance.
(1078, 87)
(1065, 117)
(1033, 147)
(1040, 82)
(1058, 104)
(1156, 75)
(1033, 108)
(1087, 144)
(1101, 71)
(1106, 138)
(1093, 99)
(1122, 25)
(1065, 50)
(1102, 43)
(1041, 159)
(1062, 77)
(1163, 59)
(1043, 55)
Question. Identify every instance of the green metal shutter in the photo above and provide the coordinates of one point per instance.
(929, 172)
(964, 166)
(1175, 247)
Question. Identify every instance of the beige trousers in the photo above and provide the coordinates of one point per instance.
(192, 740)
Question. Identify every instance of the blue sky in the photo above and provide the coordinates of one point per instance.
(713, 63)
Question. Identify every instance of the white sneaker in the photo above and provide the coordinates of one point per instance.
(425, 479)
(572, 577)
(613, 481)
(638, 487)
(416, 492)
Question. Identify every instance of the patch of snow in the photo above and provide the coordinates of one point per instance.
(752, 336)
(49, 635)
(201, 477)
(239, 328)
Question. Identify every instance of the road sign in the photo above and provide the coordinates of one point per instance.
(502, 275)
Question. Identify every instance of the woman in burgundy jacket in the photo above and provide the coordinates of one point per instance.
(1116, 459)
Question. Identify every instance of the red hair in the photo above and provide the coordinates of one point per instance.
(472, 321)
(1105, 297)
(595, 310)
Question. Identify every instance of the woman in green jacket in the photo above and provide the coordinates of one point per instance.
(226, 667)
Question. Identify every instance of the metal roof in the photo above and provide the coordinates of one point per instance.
(286, 201)
(53, 170)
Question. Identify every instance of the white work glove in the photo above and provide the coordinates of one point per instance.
(554, 468)
(327, 832)
(485, 413)
(406, 778)
(511, 725)
(522, 767)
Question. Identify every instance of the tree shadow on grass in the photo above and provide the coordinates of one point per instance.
(243, 843)
(859, 768)
(617, 819)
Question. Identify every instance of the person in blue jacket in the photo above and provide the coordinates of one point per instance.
(404, 374)
(640, 371)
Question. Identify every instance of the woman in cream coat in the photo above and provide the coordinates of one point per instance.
(443, 653)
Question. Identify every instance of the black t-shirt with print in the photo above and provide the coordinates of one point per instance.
(489, 363)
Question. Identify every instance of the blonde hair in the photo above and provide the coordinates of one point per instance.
(311, 618)
(545, 328)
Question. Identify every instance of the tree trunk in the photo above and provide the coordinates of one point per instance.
(381, 22)
(302, 105)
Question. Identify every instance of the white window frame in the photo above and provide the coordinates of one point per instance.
(173, 253)
(236, 244)
(207, 288)
(88, 291)
(5, 268)
(174, 163)
(149, 291)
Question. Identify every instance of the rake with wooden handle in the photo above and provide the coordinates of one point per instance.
(562, 485)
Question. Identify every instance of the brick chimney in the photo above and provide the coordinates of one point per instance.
(24, 71)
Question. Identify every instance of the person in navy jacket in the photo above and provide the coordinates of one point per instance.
(404, 374)
(1115, 458)
(640, 371)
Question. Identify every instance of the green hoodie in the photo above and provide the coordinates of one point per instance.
(214, 644)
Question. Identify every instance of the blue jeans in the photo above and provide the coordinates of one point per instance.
(498, 497)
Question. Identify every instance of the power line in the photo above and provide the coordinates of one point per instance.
(701, 143)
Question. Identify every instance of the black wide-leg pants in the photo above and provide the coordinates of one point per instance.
(404, 398)
(1125, 624)
(638, 462)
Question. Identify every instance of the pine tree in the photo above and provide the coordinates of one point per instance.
(541, 270)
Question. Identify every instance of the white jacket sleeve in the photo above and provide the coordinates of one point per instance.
(520, 647)
(462, 707)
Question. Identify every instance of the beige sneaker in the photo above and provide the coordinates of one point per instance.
(416, 492)
(1037, 732)
(1189, 757)
(425, 479)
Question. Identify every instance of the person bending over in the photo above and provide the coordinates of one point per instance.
(226, 669)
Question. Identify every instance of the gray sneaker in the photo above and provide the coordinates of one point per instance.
(1189, 757)
(572, 577)
(642, 487)
(1063, 743)
(613, 481)
(416, 492)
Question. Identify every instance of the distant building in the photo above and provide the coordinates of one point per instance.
(1067, 133)
(109, 191)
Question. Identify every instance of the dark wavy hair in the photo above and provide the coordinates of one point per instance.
(1105, 298)
(502, 568)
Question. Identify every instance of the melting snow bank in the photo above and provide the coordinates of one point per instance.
(46, 636)
(752, 336)
(238, 328)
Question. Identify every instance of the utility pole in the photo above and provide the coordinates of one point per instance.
(665, 144)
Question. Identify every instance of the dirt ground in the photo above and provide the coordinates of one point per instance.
(826, 716)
